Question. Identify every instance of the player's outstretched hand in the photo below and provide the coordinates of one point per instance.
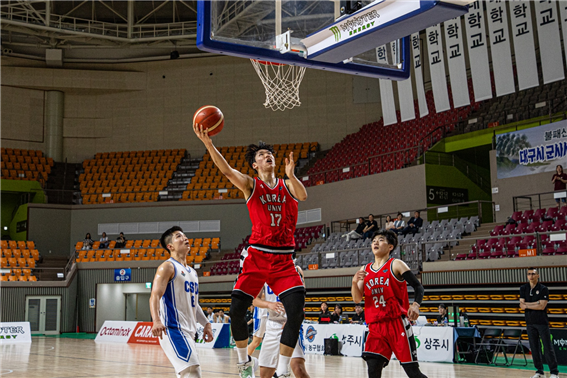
(358, 276)
(290, 165)
(413, 312)
(277, 307)
(158, 328)
(208, 333)
(203, 135)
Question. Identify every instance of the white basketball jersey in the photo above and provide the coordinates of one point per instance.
(270, 296)
(260, 313)
(178, 305)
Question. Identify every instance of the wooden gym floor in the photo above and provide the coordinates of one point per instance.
(50, 357)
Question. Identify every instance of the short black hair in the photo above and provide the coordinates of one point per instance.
(253, 149)
(442, 305)
(418, 212)
(358, 305)
(165, 238)
(370, 215)
(324, 303)
(532, 268)
(390, 236)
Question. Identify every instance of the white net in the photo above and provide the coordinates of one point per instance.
(281, 82)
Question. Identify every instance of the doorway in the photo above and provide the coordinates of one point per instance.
(138, 307)
(44, 314)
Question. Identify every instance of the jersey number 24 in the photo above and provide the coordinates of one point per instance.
(379, 301)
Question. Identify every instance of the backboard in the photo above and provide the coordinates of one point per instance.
(372, 41)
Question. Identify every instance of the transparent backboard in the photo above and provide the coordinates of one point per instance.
(250, 29)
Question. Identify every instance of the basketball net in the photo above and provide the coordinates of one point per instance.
(281, 82)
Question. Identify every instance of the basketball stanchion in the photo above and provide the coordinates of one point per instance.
(281, 83)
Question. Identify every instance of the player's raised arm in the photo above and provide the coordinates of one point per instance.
(243, 182)
(357, 288)
(163, 275)
(295, 186)
(402, 271)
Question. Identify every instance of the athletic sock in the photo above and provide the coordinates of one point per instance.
(283, 365)
(242, 355)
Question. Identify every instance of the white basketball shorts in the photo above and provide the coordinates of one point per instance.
(270, 350)
(260, 327)
(180, 349)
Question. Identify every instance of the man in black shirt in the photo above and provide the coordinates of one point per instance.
(358, 318)
(533, 299)
(371, 227)
(414, 224)
(325, 315)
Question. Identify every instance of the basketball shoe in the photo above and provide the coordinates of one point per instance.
(246, 369)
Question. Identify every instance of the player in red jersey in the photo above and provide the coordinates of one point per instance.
(382, 286)
(272, 204)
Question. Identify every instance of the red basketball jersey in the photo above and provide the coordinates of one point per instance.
(273, 212)
(385, 297)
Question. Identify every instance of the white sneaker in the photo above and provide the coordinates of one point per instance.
(553, 376)
(286, 375)
(246, 369)
(538, 375)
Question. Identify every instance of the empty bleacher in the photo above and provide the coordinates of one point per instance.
(25, 165)
(208, 182)
(20, 257)
(130, 176)
(144, 250)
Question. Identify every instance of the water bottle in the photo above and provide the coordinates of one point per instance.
(466, 322)
(445, 322)
(461, 321)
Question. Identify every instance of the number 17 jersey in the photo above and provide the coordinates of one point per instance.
(273, 212)
(385, 296)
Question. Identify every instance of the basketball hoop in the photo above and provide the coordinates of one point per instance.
(281, 82)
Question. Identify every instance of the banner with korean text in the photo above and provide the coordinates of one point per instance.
(434, 343)
(437, 68)
(478, 54)
(563, 16)
(497, 14)
(421, 100)
(524, 48)
(456, 59)
(547, 19)
(350, 337)
(405, 92)
(386, 90)
(536, 150)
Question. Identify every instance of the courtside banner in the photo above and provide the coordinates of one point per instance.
(350, 337)
(437, 68)
(478, 55)
(536, 150)
(421, 100)
(15, 333)
(434, 344)
(523, 35)
(143, 334)
(115, 332)
(221, 336)
(497, 14)
(456, 59)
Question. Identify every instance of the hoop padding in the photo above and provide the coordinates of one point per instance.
(281, 83)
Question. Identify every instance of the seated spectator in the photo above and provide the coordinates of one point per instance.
(325, 315)
(104, 241)
(399, 224)
(210, 315)
(337, 315)
(414, 224)
(88, 242)
(442, 317)
(389, 225)
(371, 227)
(221, 317)
(120, 241)
(358, 318)
(356, 234)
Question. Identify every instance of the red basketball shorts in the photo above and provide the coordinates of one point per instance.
(392, 336)
(257, 268)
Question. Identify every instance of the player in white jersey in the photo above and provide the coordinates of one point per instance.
(260, 319)
(270, 350)
(175, 309)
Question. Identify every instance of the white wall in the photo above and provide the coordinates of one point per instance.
(111, 300)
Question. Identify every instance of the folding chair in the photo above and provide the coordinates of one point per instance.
(491, 338)
(504, 346)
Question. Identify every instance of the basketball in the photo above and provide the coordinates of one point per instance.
(209, 118)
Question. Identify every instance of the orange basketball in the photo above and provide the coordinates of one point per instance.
(209, 118)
